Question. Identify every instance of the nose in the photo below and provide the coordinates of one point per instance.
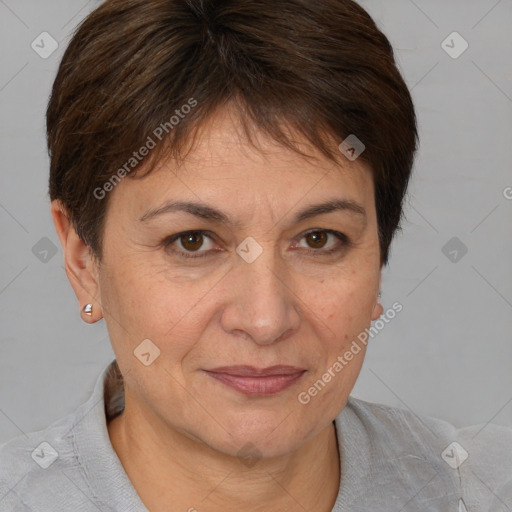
(261, 303)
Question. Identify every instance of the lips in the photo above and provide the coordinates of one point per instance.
(257, 381)
(251, 371)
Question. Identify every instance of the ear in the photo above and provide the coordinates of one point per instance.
(377, 308)
(80, 265)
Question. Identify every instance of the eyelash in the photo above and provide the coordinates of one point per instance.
(345, 243)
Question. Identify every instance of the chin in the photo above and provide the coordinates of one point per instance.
(268, 433)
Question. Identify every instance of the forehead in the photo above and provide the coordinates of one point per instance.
(224, 167)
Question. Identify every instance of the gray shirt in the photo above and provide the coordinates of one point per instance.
(391, 461)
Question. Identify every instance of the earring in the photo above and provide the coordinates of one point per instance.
(87, 309)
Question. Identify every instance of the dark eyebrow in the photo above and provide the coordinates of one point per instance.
(212, 214)
(199, 210)
(333, 205)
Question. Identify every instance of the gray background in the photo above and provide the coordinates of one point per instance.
(448, 354)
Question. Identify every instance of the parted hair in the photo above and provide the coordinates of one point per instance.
(148, 73)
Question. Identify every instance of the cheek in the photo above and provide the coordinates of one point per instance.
(345, 305)
(147, 305)
(342, 311)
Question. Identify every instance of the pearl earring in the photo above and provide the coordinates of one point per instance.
(87, 309)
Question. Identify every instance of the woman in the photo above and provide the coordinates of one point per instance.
(226, 179)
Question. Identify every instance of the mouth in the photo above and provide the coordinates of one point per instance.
(257, 382)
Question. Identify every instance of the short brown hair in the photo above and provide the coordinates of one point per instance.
(320, 67)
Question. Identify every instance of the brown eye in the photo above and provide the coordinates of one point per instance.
(316, 239)
(324, 242)
(190, 244)
(191, 241)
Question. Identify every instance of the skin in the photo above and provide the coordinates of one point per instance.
(181, 434)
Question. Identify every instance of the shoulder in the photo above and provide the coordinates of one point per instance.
(71, 464)
(51, 469)
(477, 459)
(395, 422)
(32, 463)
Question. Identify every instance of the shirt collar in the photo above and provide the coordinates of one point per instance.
(112, 488)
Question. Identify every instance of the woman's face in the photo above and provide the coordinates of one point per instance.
(252, 289)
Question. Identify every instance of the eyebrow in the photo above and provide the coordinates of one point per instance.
(209, 213)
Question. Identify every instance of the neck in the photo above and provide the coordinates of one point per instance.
(193, 477)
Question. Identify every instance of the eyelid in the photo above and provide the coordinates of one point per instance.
(169, 241)
(343, 239)
(337, 234)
